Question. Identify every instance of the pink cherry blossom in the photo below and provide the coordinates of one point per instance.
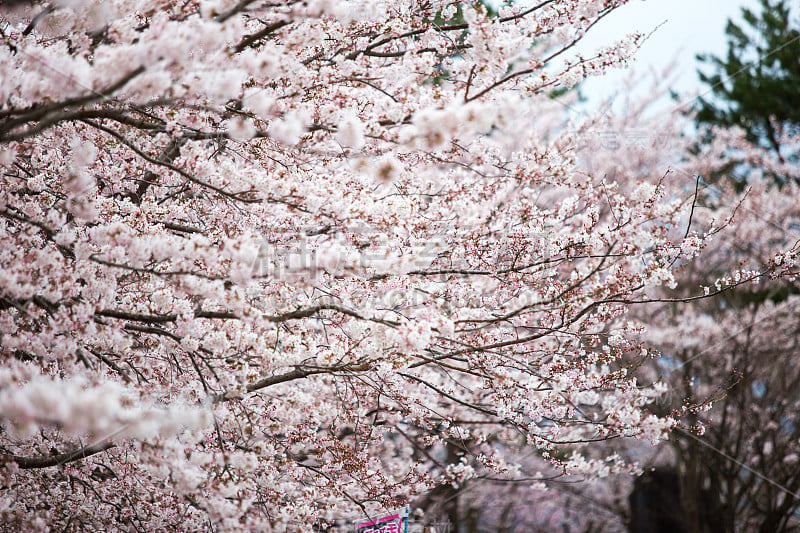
(275, 265)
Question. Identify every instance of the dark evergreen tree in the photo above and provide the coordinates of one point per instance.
(756, 86)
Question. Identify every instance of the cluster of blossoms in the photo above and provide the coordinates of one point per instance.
(154, 156)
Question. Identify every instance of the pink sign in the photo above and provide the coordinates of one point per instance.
(394, 523)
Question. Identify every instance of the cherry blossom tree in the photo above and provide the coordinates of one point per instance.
(736, 354)
(273, 265)
(734, 358)
(728, 360)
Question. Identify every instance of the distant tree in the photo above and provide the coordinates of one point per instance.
(655, 503)
(755, 86)
(737, 354)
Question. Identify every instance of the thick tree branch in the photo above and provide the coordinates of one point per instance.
(59, 459)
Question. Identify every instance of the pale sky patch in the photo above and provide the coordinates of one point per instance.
(681, 29)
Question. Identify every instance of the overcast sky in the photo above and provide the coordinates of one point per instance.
(689, 27)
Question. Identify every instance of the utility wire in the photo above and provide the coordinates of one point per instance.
(759, 475)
